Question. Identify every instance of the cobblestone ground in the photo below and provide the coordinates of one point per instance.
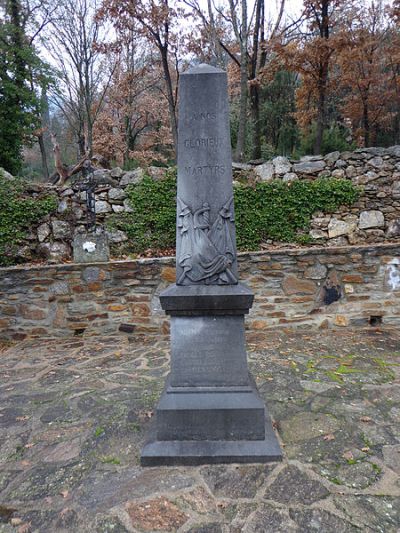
(74, 414)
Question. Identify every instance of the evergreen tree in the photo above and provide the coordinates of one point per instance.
(18, 103)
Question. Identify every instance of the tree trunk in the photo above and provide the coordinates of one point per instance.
(254, 87)
(365, 122)
(255, 116)
(89, 139)
(241, 135)
(170, 98)
(42, 146)
(320, 121)
(322, 76)
(214, 38)
(44, 137)
(81, 144)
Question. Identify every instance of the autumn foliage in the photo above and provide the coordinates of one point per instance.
(324, 78)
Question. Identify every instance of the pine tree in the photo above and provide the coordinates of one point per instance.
(17, 98)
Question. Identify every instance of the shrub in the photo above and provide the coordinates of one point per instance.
(152, 222)
(276, 210)
(18, 213)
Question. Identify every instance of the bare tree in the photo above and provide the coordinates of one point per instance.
(245, 38)
(156, 21)
(83, 77)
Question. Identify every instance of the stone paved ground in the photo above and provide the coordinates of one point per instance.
(74, 413)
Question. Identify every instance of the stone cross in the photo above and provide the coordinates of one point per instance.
(88, 185)
(210, 410)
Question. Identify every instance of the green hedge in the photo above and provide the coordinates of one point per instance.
(18, 212)
(276, 210)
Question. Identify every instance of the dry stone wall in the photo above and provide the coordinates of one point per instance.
(313, 288)
(374, 218)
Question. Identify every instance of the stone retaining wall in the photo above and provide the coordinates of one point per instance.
(374, 218)
(303, 288)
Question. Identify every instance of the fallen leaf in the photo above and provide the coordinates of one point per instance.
(25, 528)
(64, 493)
(329, 436)
(348, 456)
(29, 445)
(365, 450)
(366, 419)
(15, 521)
(64, 512)
(22, 418)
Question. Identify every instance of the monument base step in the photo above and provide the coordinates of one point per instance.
(210, 413)
(192, 453)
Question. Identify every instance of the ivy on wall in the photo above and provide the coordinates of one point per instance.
(275, 210)
(18, 212)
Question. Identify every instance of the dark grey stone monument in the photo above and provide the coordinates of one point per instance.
(210, 410)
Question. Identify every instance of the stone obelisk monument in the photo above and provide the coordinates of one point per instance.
(210, 410)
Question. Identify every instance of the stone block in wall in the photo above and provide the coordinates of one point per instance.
(116, 194)
(332, 157)
(101, 173)
(320, 221)
(77, 212)
(393, 151)
(290, 176)
(117, 236)
(346, 155)
(116, 172)
(393, 229)
(294, 285)
(309, 167)
(133, 176)
(376, 162)
(340, 227)
(43, 232)
(316, 271)
(339, 241)
(351, 171)
(265, 172)
(338, 173)
(101, 195)
(31, 312)
(127, 207)
(102, 206)
(318, 234)
(396, 190)
(62, 206)
(282, 165)
(61, 229)
(118, 208)
(371, 219)
(55, 251)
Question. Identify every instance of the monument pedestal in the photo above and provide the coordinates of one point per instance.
(210, 410)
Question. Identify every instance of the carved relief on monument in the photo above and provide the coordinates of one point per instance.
(207, 251)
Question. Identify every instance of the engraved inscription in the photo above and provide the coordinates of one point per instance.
(205, 142)
(209, 363)
(206, 170)
(203, 116)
